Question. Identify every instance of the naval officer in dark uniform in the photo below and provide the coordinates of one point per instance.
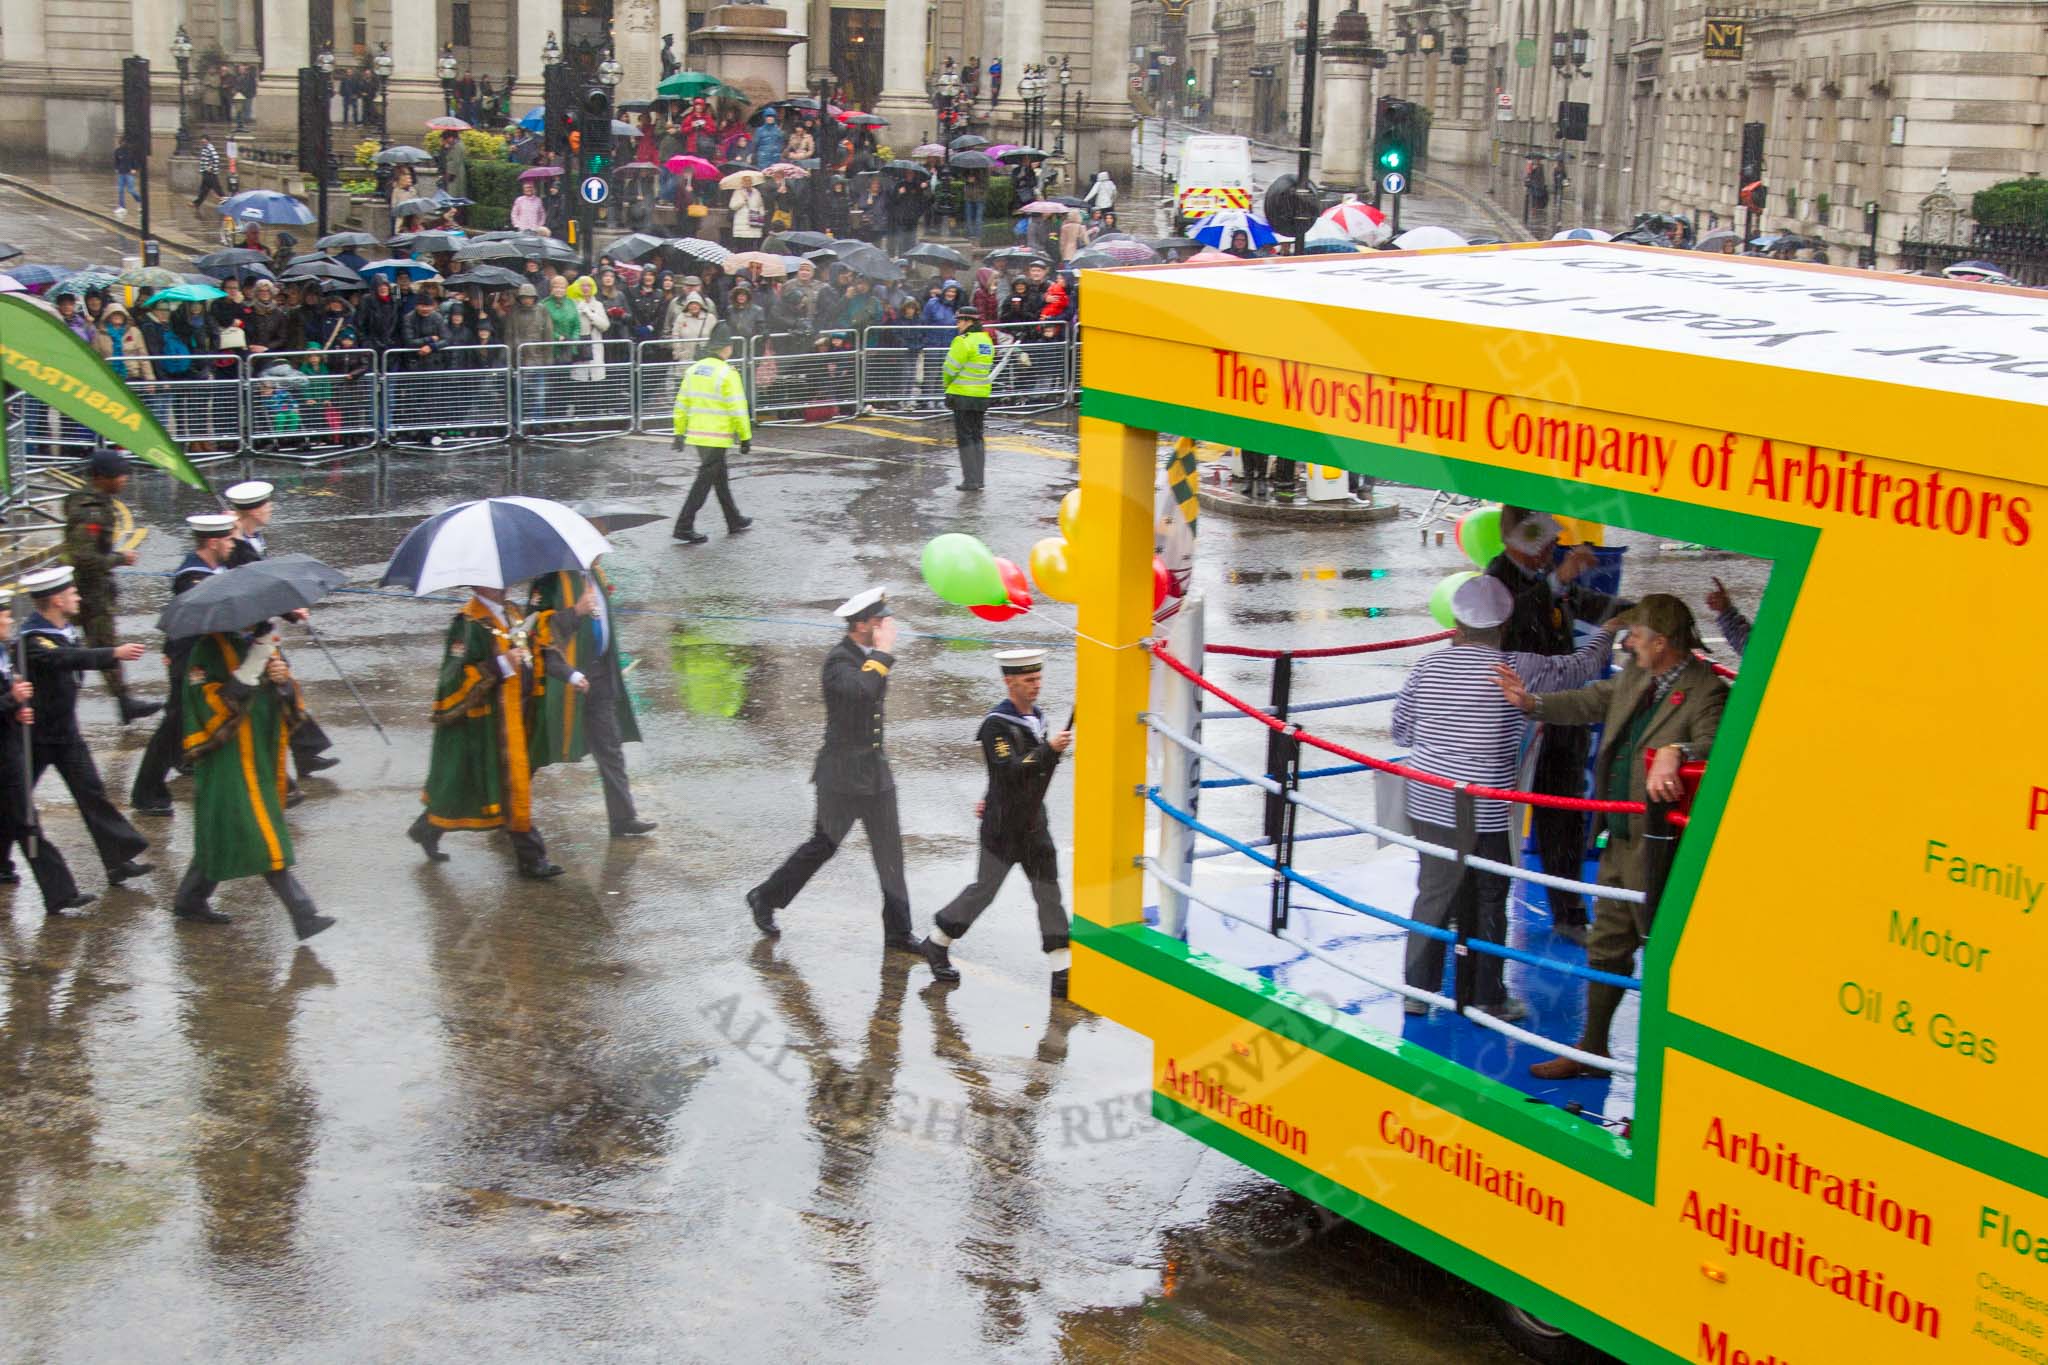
(251, 503)
(852, 773)
(57, 654)
(18, 822)
(1021, 751)
(213, 542)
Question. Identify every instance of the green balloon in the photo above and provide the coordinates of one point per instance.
(961, 570)
(1479, 534)
(1440, 599)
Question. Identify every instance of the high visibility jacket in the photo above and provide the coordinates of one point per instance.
(969, 362)
(711, 406)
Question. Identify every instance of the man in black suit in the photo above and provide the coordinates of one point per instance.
(852, 774)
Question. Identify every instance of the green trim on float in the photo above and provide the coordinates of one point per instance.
(1455, 1257)
(1629, 1166)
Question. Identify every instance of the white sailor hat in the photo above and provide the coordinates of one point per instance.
(1482, 602)
(208, 525)
(861, 606)
(1019, 661)
(43, 582)
(253, 493)
(1535, 533)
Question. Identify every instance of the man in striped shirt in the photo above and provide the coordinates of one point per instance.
(1456, 724)
(209, 172)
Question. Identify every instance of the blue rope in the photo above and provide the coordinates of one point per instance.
(1332, 771)
(1500, 950)
(1299, 839)
(1228, 713)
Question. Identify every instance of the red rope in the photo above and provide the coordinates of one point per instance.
(1166, 657)
(1251, 652)
(1720, 670)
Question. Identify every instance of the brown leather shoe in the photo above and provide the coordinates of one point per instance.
(1564, 1069)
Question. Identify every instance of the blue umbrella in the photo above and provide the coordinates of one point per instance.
(266, 206)
(1217, 229)
(534, 119)
(412, 270)
(37, 276)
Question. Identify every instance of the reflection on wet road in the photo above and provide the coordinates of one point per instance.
(596, 1118)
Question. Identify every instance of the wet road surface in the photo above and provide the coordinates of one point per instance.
(597, 1117)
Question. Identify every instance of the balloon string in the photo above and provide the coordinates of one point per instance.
(1079, 634)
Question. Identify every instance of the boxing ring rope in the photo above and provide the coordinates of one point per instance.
(1284, 794)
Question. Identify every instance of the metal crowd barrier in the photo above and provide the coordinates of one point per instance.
(571, 392)
(461, 396)
(311, 406)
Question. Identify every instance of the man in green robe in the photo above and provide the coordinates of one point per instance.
(479, 772)
(240, 709)
(597, 721)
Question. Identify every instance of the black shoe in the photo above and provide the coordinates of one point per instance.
(627, 828)
(1059, 984)
(733, 528)
(429, 839)
(315, 763)
(293, 796)
(131, 868)
(69, 909)
(967, 487)
(541, 871)
(691, 538)
(902, 943)
(764, 916)
(164, 809)
(201, 914)
(138, 710)
(306, 924)
(941, 961)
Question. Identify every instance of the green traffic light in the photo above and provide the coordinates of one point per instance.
(1391, 158)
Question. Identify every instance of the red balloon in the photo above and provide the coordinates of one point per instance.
(1020, 594)
(1014, 579)
(1162, 582)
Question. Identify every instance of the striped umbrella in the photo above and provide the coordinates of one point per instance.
(492, 543)
(711, 253)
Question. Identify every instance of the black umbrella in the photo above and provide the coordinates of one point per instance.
(634, 106)
(1024, 154)
(1093, 260)
(249, 596)
(348, 286)
(970, 161)
(402, 156)
(874, 267)
(492, 251)
(1174, 248)
(1070, 201)
(248, 273)
(937, 255)
(912, 167)
(616, 515)
(1020, 255)
(428, 243)
(633, 247)
(409, 208)
(221, 264)
(799, 241)
(8, 251)
(487, 277)
(321, 270)
(344, 241)
(505, 235)
(968, 142)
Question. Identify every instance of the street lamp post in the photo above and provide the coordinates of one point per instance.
(1236, 110)
(828, 138)
(1060, 128)
(381, 66)
(323, 62)
(181, 53)
(445, 66)
(1568, 54)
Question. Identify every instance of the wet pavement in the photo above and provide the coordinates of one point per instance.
(598, 1116)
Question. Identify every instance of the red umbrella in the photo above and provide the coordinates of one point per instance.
(696, 167)
(445, 124)
(540, 173)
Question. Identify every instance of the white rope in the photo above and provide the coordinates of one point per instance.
(1377, 831)
(1523, 874)
(1400, 988)
(1202, 751)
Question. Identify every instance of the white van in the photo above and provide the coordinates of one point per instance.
(1215, 173)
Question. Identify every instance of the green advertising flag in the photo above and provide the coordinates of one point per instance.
(45, 360)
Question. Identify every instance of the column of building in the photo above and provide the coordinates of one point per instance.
(1023, 45)
(415, 84)
(1103, 125)
(287, 46)
(904, 101)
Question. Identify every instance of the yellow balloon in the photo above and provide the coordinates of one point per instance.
(1070, 514)
(1051, 569)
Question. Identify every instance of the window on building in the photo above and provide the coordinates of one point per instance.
(458, 24)
(230, 26)
(359, 25)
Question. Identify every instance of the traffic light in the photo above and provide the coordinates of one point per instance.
(1191, 80)
(558, 98)
(1393, 140)
(596, 127)
(1755, 196)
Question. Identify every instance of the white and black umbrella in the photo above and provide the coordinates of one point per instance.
(493, 543)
